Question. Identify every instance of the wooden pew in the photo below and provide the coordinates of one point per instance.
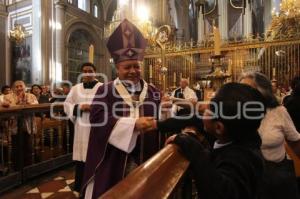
(156, 178)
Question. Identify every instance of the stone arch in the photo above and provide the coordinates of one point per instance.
(78, 24)
(110, 9)
(96, 39)
(101, 10)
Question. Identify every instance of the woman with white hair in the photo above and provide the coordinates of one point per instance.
(276, 129)
(19, 96)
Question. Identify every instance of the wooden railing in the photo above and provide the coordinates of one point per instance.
(156, 178)
(32, 142)
(21, 109)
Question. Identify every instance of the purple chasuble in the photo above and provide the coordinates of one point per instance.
(105, 164)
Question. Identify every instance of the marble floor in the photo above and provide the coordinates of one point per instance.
(55, 185)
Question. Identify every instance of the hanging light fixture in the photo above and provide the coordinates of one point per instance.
(140, 18)
(18, 33)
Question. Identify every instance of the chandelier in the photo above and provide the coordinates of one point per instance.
(17, 34)
(140, 20)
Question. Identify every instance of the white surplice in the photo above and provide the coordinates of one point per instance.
(123, 135)
(79, 95)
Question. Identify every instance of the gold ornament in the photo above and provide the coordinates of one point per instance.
(17, 34)
(286, 23)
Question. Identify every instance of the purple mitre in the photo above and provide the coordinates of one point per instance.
(126, 43)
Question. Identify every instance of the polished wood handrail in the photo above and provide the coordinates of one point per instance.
(21, 109)
(156, 178)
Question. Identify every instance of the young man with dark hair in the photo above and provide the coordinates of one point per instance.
(77, 106)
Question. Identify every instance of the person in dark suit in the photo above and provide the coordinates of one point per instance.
(184, 93)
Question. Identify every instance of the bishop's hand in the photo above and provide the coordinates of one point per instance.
(144, 124)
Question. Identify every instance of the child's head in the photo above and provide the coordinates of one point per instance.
(236, 112)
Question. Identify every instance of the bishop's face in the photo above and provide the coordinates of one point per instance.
(129, 70)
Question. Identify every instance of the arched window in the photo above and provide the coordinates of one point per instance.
(95, 10)
(82, 4)
(78, 52)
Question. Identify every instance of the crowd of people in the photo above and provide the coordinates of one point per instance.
(20, 94)
(235, 143)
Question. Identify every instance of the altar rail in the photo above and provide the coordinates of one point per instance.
(160, 176)
(156, 178)
(277, 59)
(32, 142)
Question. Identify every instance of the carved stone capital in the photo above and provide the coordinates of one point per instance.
(60, 4)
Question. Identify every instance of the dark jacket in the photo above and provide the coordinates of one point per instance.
(231, 172)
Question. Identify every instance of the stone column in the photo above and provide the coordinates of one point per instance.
(56, 73)
(36, 72)
(162, 12)
(267, 14)
(4, 47)
(47, 39)
(201, 35)
(223, 18)
(247, 20)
